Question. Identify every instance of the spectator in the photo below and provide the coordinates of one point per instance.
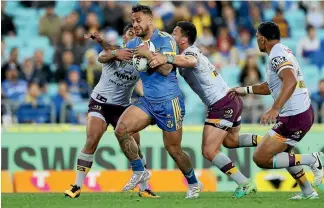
(61, 72)
(7, 25)
(92, 23)
(67, 44)
(31, 75)
(314, 16)
(49, 24)
(33, 96)
(282, 23)
(70, 22)
(207, 39)
(244, 46)
(309, 44)
(13, 59)
(63, 97)
(318, 99)
(113, 16)
(79, 36)
(4, 55)
(86, 7)
(224, 36)
(39, 65)
(226, 55)
(228, 14)
(201, 19)
(93, 68)
(13, 88)
(78, 88)
(250, 73)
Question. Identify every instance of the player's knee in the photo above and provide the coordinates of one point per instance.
(230, 143)
(209, 154)
(173, 149)
(120, 130)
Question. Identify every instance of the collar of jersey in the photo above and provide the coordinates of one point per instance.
(154, 35)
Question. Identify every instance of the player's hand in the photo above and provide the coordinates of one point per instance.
(142, 51)
(95, 36)
(269, 117)
(158, 60)
(124, 54)
(237, 91)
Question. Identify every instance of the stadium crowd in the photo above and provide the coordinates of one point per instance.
(49, 69)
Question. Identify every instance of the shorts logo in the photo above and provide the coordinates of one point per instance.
(228, 113)
(96, 107)
(169, 124)
(297, 134)
(277, 125)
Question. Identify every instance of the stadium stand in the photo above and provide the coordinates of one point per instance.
(73, 17)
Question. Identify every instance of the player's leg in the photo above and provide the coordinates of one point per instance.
(213, 138)
(270, 154)
(96, 127)
(172, 143)
(236, 140)
(133, 120)
(144, 189)
(168, 116)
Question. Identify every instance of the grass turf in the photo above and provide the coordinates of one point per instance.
(107, 200)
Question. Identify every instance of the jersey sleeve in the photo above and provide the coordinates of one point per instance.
(191, 51)
(169, 46)
(279, 63)
(131, 44)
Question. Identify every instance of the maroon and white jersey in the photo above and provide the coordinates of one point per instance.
(281, 58)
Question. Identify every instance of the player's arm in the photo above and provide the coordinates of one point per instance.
(102, 42)
(117, 54)
(259, 89)
(289, 83)
(179, 60)
(139, 88)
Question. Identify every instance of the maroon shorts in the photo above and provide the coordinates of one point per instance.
(108, 112)
(225, 113)
(291, 129)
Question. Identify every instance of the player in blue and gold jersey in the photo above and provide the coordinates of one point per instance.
(162, 104)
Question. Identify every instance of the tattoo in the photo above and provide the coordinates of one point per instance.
(127, 143)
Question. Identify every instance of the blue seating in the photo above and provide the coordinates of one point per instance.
(296, 19)
(52, 89)
(26, 113)
(230, 75)
(311, 75)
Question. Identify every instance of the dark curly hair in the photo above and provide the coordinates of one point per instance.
(142, 8)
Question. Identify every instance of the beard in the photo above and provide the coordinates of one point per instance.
(143, 33)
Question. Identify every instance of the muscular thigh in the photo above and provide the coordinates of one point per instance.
(133, 120)
(213, 138)
(231, 140)
(269, 147)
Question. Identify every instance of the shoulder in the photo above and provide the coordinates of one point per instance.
(191, 51)
(278, 57)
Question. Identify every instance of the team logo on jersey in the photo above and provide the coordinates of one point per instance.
(228, 113)
(170, 124)
(276, 62)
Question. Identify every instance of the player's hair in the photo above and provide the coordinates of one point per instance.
(127, 28)
(270, 30)
(189, 30)
(142, 8)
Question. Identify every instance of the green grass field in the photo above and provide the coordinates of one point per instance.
(107, 200)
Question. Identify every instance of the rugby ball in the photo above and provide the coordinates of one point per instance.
(140, 63)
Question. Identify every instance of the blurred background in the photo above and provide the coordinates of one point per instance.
(48, 71)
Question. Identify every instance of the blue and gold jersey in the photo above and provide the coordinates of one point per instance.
(156, 86)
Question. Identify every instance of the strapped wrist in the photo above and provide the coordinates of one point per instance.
(249, 90)
(170, 59)
(114, 53)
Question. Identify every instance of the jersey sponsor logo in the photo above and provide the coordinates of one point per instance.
(118, 84)
(189, 53)
(125, 76)
(279, 61)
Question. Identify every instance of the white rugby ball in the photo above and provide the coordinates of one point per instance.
(140, 63)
